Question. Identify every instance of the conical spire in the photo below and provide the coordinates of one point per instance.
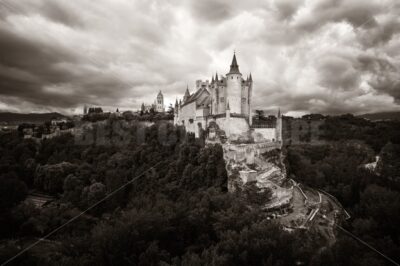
(176, 102)
(216, 76)
(212, 78)
(227, 106)
(279, 112)
(187, 94)
(250, 78)
(234, 66)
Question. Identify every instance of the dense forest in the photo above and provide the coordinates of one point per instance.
(176, 212)
(369, 192)
(173, 207)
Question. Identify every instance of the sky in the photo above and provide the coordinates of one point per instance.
(305, 56)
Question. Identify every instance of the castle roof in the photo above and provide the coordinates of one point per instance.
(234, 66)
(205, 102)
(187, 93)
(195, 96)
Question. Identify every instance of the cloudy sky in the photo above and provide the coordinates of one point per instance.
(327, 56)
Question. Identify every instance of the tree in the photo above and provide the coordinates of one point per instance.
(50, 178)
(259, 115)
(170, 109)
(12, 191)
(73, 187)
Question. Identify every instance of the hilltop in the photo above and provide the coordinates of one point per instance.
(382, 116)
(35, 118)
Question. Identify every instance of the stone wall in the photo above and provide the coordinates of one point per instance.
(187, 117)
(234, 127)
(263, 134)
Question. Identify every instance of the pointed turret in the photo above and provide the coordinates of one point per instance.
(176, 103)
(227, 106)
(279, 112)
(234, 66)
(212, 79)
(250, 78)
(187, 94)
(216, 76)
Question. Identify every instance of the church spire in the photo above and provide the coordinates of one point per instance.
(234, 66)
(216, 76)
(250, 78)
(212, 78)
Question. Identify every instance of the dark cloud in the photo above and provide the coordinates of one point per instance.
(356, 12)
(213, 11)
(337, 72)
(384, 75)
(287, 8)
(324, 56)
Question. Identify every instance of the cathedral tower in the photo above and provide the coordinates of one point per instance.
(160, 102)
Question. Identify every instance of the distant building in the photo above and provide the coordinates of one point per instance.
(160, 103)
(55, 122)
(95, 110)
(157, 106)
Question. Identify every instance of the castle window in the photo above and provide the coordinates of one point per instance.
(191, 121)
(222, 99)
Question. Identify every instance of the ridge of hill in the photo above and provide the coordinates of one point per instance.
(18, 118)
(382, 116)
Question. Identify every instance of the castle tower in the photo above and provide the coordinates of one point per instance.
(250, 100)
(176, 106)
(227, 120)
(234, 87)
(160, 102)
(278, 127)
(215, 95)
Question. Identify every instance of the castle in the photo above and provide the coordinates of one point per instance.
(222, 108)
